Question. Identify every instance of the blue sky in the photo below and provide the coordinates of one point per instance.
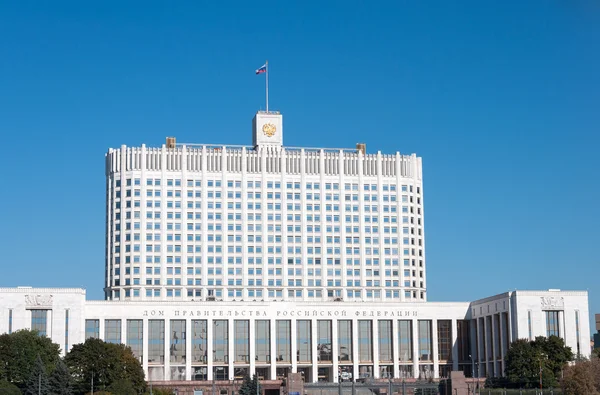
(500, 98)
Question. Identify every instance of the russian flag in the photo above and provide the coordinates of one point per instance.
(262, 69)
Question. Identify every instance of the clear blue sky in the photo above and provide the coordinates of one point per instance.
(500, 98)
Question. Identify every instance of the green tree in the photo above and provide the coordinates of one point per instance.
(7, 388)
(122, 387)
(37, 382)
(525, 359)
(104, 364)
(250, 386)
(19, 351)
(61, 380)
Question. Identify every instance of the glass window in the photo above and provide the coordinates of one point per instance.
(39, 321)
(242, 341)
(552, 323)
(135, 337)
(324, 341)
(263, 341)
(220, 341)
(444, 333)
(385, 341)
(156, 342)
(365, 341)
(177, 349)
(283, 341)
(425, 346)
(199, 341)
(112, 331)
(345, 340)
(405, 341)
(463, 340)
(92, 329)
(304, 345)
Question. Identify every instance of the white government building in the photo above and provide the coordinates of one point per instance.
(227, 260)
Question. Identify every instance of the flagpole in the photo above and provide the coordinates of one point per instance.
(267, 83)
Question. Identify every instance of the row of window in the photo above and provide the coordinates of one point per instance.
(239, 336)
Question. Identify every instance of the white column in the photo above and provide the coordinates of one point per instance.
(273, 339)
(209, 347)
(313, 345)
(395, 347)
(188, 349)
(355, 358)
(145, 339)
(454, 343)
(294, 345)
(334, 347)
(167, 349)
(415, 339)
(230, 346)
(252, 348)
(375, 339)
(435, 348)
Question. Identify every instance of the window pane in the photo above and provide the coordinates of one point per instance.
(385, 341)
(177, 347)
(405, 341)
(112, 331)
(263, 341)
(365, 341)
(220, 342)
(242, 341)
(324, 341)
(425, 350)
(156, 342)
(345, 340)
(92, 329)
(135, 337)
(39, 321)
(199, 343)
(304, 341)
(444, 333)
(283, 341)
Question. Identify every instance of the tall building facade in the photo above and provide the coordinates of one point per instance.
(227, 261)
(264, 222)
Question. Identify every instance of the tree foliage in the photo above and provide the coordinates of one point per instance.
(61, 382)
(19, 351)
(107, 363)
(37, 382)
(7, 388)
(525, 359)
(250, 386)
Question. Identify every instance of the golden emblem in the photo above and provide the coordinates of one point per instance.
(269, 129)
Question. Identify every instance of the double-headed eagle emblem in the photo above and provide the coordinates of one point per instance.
(269, 129)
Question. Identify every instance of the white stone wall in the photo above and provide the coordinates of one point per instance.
(57, 301)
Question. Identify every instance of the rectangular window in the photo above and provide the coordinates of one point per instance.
(463, 340)
(529, 325)
(304, 341)
(39, 321)
(263, 341)
(425, 346)
(405, 341)
(199, 341)
(283, 341)
(444, 334)
(112, 331)
(385, 341)
(135, 337)
(177, 347)
(221, 341)
(324, 341)
(92, 329)
(66, 330)
(10, 321)
(345, 341)
(156, 342)
(365, 341)
(552, 323)
(242, 341)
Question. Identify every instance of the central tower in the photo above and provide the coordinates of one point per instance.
(267, 129)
